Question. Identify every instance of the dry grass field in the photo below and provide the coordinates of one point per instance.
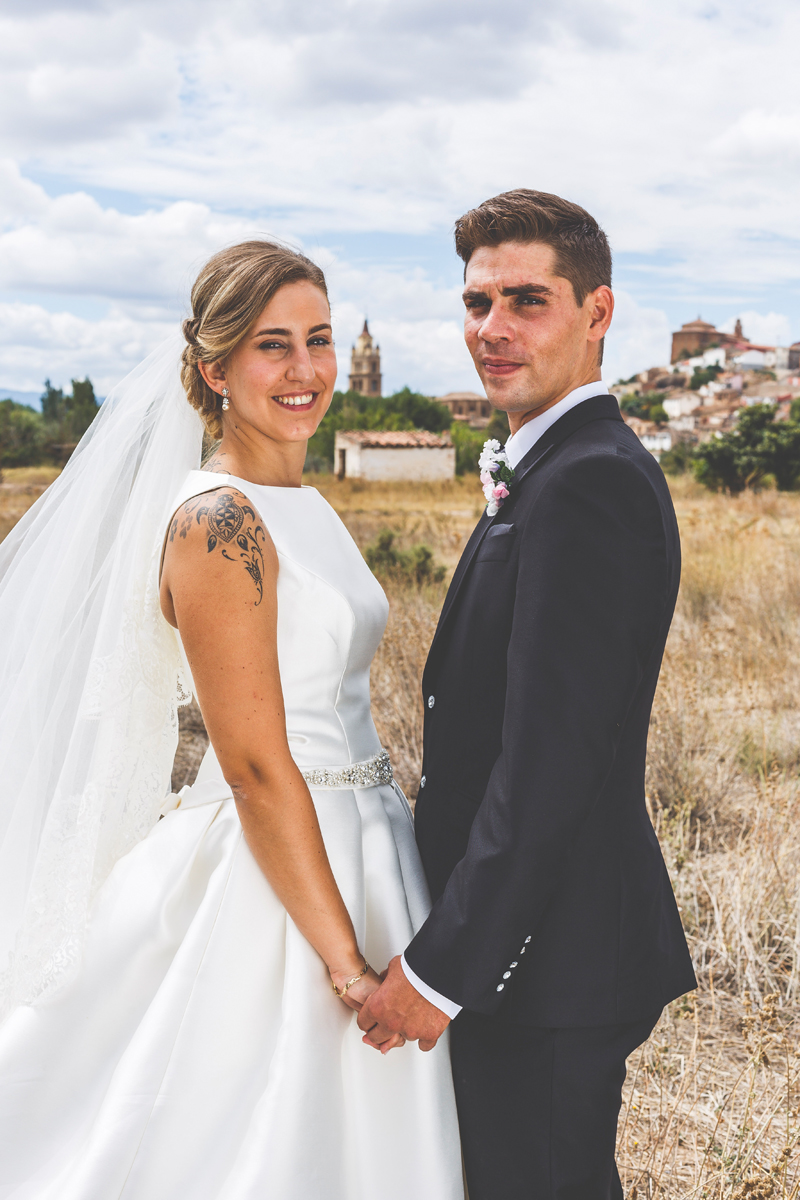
(712, 1102)
(19, 487)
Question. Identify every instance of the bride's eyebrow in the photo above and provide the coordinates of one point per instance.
(288, 332)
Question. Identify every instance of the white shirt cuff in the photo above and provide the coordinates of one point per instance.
(444, 1005)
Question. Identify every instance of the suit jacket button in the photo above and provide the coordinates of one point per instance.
(515, 964)
(500, 987)
(431, 701)
(507, 975)
(527, 939)
(422, 782)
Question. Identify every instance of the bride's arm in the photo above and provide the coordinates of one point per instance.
(219, 587)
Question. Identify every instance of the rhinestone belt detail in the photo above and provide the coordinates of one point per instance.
(372, 772)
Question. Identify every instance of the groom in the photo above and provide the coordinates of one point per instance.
(554, 940)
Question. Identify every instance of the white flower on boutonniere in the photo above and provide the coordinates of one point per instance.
(497, 475)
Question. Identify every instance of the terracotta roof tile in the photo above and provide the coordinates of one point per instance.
(395, 438)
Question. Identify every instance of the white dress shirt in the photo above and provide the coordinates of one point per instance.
(517, 447)
(521, 442)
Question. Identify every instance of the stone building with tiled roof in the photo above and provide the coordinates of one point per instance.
(394, 454)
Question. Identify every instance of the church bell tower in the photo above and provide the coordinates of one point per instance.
(365, 365)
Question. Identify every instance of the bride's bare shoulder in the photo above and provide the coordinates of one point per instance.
(217, 540)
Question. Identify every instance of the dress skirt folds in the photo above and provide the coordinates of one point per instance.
(200, 1053)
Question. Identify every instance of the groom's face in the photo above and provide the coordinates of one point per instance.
(530, 340)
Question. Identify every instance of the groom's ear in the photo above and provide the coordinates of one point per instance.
(600, 306)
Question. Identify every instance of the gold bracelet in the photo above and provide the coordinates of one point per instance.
(340, 992)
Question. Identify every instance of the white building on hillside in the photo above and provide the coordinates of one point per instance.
(653, 437)
(388, 454)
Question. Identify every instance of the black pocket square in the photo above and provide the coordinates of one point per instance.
(497, 544)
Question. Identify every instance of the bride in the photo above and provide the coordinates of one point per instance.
(180, 992)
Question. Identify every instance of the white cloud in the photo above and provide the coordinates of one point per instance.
(766, 329)
(36, 343)
(678, 126)
(71, 244)
(639, 338)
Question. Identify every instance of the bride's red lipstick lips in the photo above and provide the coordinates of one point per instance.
(298, 408)
(500, 366)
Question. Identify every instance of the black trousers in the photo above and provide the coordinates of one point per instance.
(538, 1108)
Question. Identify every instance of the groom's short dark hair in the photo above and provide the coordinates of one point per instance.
(583, 255)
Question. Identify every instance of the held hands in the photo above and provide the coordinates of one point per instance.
(359, 992)
(395, 1012)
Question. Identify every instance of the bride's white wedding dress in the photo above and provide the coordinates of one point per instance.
(200, 1053)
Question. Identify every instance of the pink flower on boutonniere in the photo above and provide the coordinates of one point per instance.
(496, 475)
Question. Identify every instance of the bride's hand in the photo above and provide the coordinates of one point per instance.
(357, 995)
(359, 992)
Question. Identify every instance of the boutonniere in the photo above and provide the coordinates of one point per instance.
(496, 475)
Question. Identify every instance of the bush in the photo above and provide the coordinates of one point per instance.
(678, 460)
(703, 375)
(648, 406)
(22, 435)
(416, 565)
(68, 416)
(468, 443)
(734, 461)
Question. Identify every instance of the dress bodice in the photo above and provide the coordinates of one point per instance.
(331, 616)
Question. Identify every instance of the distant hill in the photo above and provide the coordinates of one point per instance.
(32, 399)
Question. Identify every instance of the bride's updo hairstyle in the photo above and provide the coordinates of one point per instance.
(232, 289)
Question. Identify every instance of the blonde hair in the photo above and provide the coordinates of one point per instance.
(232, 289)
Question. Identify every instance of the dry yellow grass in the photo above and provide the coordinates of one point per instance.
(19, 488)
(712, 1102)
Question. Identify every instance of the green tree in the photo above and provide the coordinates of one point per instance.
(82, 408)
(351, 410)
(678, 460)
(422, 411)
(648, 406)
(703, 375)
(497, 427)
(67, 417)
(781, 448)
(734, 461)
(468, 443)
(53, 404)
(22, 434)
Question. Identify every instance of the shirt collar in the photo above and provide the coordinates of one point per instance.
(525, 438)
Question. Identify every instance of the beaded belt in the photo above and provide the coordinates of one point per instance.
(372, 772)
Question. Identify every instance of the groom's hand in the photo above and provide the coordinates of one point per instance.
(397, 1008)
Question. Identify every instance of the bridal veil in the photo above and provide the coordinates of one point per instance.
(91, 675)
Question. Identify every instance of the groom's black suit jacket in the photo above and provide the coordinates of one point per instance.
(552, 902)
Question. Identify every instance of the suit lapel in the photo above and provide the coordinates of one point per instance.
(470, 550)
(597, 408)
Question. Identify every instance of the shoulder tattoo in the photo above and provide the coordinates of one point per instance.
(230, 525)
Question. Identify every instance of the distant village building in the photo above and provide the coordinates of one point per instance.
(388, 454)
(704, 346)
(653, 437)
(365, 365)
(470, 407)
(696, 336)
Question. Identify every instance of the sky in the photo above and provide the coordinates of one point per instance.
(136, 138)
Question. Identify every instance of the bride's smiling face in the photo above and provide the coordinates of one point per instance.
(281, 376)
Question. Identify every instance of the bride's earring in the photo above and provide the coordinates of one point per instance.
(225, 399)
